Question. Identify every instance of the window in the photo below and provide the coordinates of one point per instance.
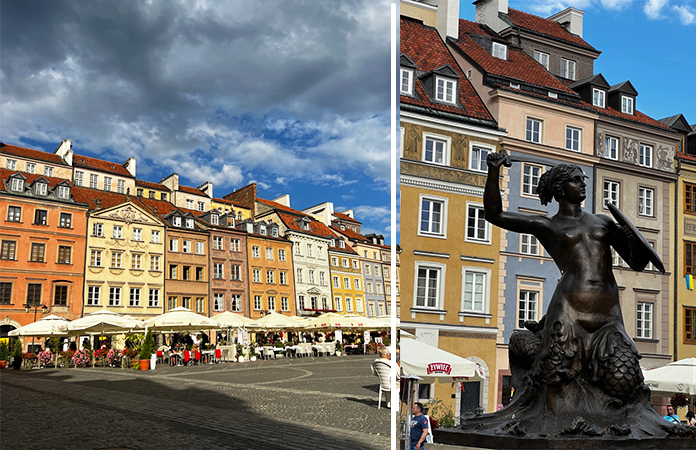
(432, 216)
(117, 232)
(478, 159)
(542, 58)
(48, 171)
(359, 305)
(255, 252)
(270, 277)
(172, 302)
(427, 287)
(300, 301)
(645, 202)
(262, 230)
(107, 184)
(336, 282)
(93, 294)
(611, 147)
(627, 105)
(337, 304)
(189, 223)
(177, 221)
(368, 286)
(186, 273)
(92, 181)
(611, 193)
(236, 302)
(235, 272)
(299, 276)
(234, 245)
(200, 249)
(17, 184)
(257, 302)
(474, 293)
(63, 192)
(186, 302)
(121, 186)
(297, 249)
(598, 98)
(311, 276)
(257, 275)
(139, 192)
(96, 258)
(40, 217)
(190, 204)
(98, 229)
(154, 298)
(346, 283)
(114, 296)
(445, 90)
(60, 295)
(527, 307)
(689, 197)
(79, 177)
(65, 220)
(41, 188)
(201, 206)
(309, 250)
(274, 232)
(9, 249)
(645, 156)
(434, 150)
(269, 253)
(11, 164)
(284, 277)
(533, 130)
(173, 272)
(644, 320)
(218, 243)
(367, 269)
(349, 304)
(284, 304)
(476, 225)
(388, 289)
(155, 237)
(385, 272)
(406, 81)
(573, 139)
(116, 260)
(64, 253)
(379, 287)
(530, 179)
(154, 262)
(173, 245)
(499, 50)
(568, 69)
(529, 245)
(134, 297)
(357, 284)
(137, 234)
(38, 252)
(376, 271)
(271, 303)
(163, 196)
(345, 262)
(14, 214)
(218, 302)
(334, 261)
(356, 264)
(689, 316)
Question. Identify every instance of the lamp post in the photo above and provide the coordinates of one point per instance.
(28, 307)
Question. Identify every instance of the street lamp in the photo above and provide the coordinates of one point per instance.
(28, 307)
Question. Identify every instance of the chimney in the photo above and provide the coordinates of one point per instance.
(172, 182)
(65, 152)
(570, 19)
(487, 12)
(207, 187)
(283, 200)
(98, 203)
(447, 18)
(130, 166)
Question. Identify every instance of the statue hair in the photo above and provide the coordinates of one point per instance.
(551, 182)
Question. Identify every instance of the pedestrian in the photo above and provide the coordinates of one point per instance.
(671, 416)
(419, 428)
(690, 419)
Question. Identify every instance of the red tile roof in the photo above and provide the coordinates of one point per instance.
(278, 206)
(424, 46)
(28, 153)
(687, 156)
(545, 27)
(345, 217)
(100, 165)
(151, 185)
(192, 190)
(519, 65)
(315, 227)
(89, 196)
(637, 117)
(347, 249)
(350, 234)
(30, 178)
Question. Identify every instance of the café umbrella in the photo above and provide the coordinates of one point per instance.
(181, 319)
(275, 321)
(45, 327)
(675, 377)
(104, 322)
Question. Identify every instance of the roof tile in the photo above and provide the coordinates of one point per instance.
(28, 153)
(546, 27)
(88, 162)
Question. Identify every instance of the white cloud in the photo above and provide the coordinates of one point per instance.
(686, 14)
(653, 8)
(381, 214)
(615, 4)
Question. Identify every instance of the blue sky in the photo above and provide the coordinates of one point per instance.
(649, 43)
(292, 94)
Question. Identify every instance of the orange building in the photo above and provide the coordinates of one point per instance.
(42, 259)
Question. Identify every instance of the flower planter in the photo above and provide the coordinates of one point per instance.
(240, 359)
(144, 364)
(252, 358)
(3, 364)
(338, 353)
(16, 364)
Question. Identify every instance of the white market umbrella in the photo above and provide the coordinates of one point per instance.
(181, 319)
(228, 319)
(105, 322)
(335, 321)
(431, 363)
(275, 321)
(675, 377)
(383, 322)
(45, 327)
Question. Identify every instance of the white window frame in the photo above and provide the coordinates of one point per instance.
(408, 81)
(236, 302)
(218, 302)
(499, 51)
(485, 300)
(269, 253)
(117, 232)
(281, 255)
(611, 152)
(17, 184)
(444, 202)
(529, 244)
(98, 229)
(107, 184)
(477, 159)
(645, 155)
(11, 164)
(114, 296)
(153, 298)
(135, 294)
(527, 313)
(255, 252)
(190, 204)
(256, 275)
(189, 223)
(63, 192)
(93, 295)
(93, 181)
(542, 58)
(441, 271)
(155, 263)
(530, 133)
(478, 207)
(574, 140)
(154, 237)
(218, 270)
(121, 186)
(568, 69)
(611, 192)
(234, 244)
(137, 234)
(646, 198)
(529, 177)
(598, 98)
(218, 243)
(31, 168)
(137, 261)
(41, 188)
(627, 105)
(447, 143)
(447, 84)
(644, 326)
(177, 221)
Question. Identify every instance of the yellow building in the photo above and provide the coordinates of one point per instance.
(347, 284)
(125, 256)
(685, 339)
(240, 211)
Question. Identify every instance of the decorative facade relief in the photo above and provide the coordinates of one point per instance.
(630, 150)
(130, 215)
(665, 158)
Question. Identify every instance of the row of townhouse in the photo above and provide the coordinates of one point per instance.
(526, 84)
(77, 248)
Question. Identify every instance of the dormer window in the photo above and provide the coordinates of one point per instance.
(341, 244)
(250, 227)
(41, 188)
(262, 230)
(406, 81)
(214, 219)
(515, 85)
(333, 242)
(177, 221)
(568, 69)
(542, 58)
(230, 221)
(499, 50)
(274, 232)
(627, 105)
(598, 98)
(63, 192)
(17, 185)
(445, 90)
(189, 223)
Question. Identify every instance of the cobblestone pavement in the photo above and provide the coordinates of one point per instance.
(313, 403)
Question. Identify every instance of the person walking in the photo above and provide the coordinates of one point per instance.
(419, 428)
(690, 419)
(671, 416)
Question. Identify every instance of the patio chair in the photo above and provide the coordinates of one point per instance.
(218, 355)
(187, 357)
(160, 357)
(383, 371)
(268, 353)
(330, 348)
(197, 357)
(307, 350)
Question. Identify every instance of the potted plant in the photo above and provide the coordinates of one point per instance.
(17, 355)
(339, 348)
(4, 354)
(146, 351)
(252, 353)
(240, 352)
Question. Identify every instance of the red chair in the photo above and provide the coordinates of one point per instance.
(218, 355)
(198, 357)
(160, 356)
(187, 357)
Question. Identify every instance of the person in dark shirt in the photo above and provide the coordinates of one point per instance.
(419, 428)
